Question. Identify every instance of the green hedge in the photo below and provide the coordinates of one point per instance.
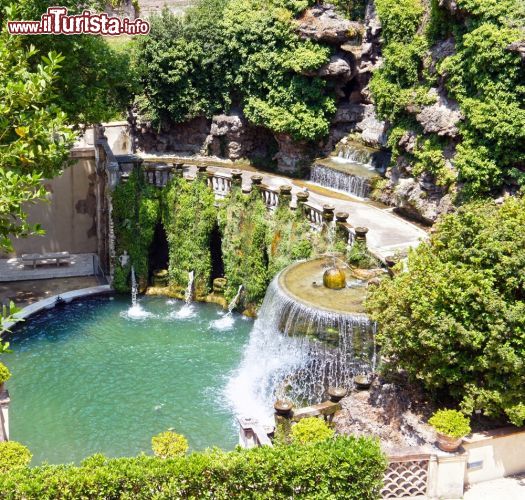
(345, 468)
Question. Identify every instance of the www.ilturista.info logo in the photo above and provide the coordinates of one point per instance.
(57, 22)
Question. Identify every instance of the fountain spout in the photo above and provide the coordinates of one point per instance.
(134, 288)
(235, 301)
(188, 296)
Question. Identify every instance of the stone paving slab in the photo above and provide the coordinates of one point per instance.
(14, 269)
(506, 488)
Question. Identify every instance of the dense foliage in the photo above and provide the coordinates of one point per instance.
(451, 423)
(34, 139)
(95, 83)
(5, 374)
(13, 456)
(455, 320)
(311, 430)
(349, 468)
(241, 53)
(290, 239)
(169, 445)
(189, 216)
(244, 228)
(482, 75)
(136, 211)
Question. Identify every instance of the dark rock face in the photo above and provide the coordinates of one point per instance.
(323, 24)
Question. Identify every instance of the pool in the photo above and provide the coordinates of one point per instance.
(88, 379)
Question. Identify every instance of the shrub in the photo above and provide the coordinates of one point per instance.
(451, 423)
(13, 455)
(169, 445)
(5, 374)
(311, 430)
(455, 320)
(344, 468)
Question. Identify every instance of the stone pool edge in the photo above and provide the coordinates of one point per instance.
(51, 302)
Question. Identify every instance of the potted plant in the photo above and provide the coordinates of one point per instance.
(5, 375)
(451, 427)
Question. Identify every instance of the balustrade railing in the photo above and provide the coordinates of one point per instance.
(222, 183)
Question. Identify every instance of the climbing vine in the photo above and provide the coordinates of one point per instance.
(189, 216)
(134, 225)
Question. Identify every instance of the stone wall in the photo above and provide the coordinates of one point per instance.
(69, 214)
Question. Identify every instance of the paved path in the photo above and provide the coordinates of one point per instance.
(14, 269)
(507, 488)
(388, 233)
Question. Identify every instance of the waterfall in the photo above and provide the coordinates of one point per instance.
(342, 181)
(136, 311)
(227, 321)
(295, 352)
(187, 310)
(354, 153)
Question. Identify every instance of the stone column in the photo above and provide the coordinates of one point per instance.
(283, 417)
(179, 169)
(328, 213)
(285, 195)
(302, 198)
(256, 181)
(341, 227)
(202, 170)
(4, 415)
(360, 236)
(237, 178)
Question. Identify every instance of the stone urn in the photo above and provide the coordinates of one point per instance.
(448, 443)
(334, 278)
(283, 408)
(362, 382)
(219, 284)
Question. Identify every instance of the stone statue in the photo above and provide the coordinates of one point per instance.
(124, 259)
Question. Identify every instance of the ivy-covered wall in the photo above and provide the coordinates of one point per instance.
(189, 216)
(255, 243)
(136, 211)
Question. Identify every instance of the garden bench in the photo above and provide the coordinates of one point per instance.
(45, 258)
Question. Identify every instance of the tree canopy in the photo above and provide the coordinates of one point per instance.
(455, 319)
(226, 54)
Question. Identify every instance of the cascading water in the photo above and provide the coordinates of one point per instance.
(342, 181)
(227, 321)
(136, 311)
(351, 170)
(296, 352)
(187, 310)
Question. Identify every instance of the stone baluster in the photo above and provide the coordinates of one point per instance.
(202, 170)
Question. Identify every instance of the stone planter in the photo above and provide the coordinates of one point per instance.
(447, 443)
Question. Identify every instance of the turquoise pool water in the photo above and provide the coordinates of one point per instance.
(88, 379)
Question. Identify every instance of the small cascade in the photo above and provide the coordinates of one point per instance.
(187, 310)
(342, 181)
(353, 152)
(227, 321)
(296, 352)
(136, 311)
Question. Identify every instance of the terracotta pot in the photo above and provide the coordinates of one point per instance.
(447, 443)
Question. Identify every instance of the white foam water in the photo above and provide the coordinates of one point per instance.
(286, 359)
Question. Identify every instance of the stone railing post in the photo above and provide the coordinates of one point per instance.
(202, 170)
(285, 195)
(237, 178)
(328, 213)
(256, 181)
(341, 231)
(360, 236)
(179, 169)
(283, 417)
(302, 198)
